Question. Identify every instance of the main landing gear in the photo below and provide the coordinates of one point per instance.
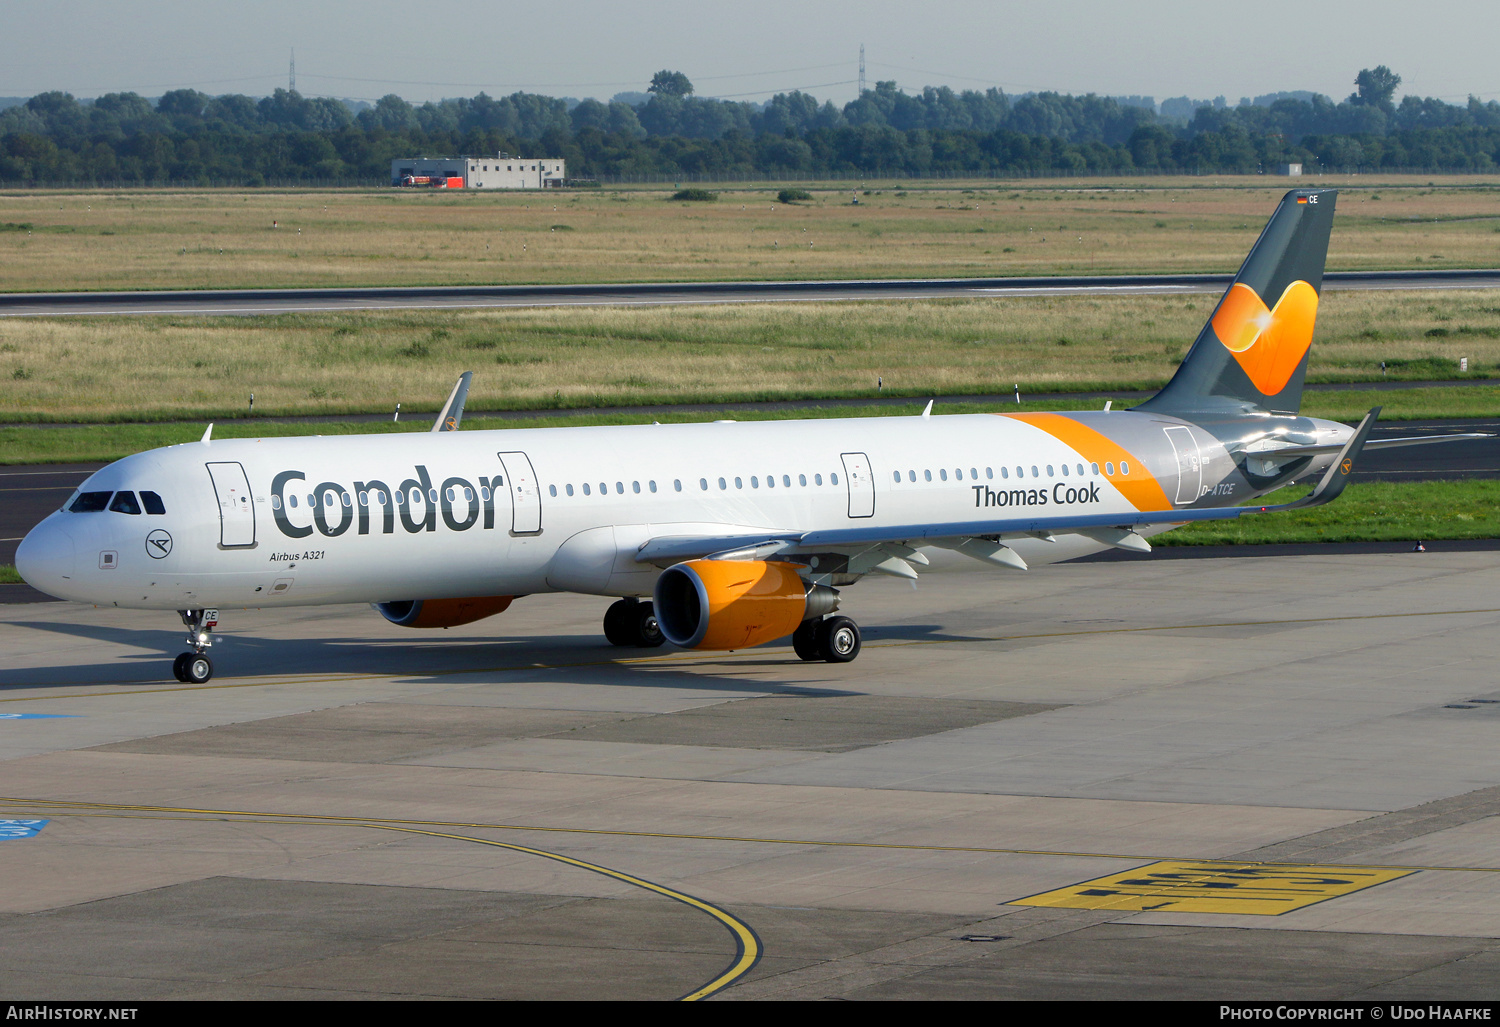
(195, 667)
(631, 622)
(831, 639)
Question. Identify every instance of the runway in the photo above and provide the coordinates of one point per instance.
(282, 301)
(1213, 779)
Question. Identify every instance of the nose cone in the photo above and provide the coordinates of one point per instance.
(46, 558)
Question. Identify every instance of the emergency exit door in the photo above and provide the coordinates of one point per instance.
(525, 495)
(236, 508)
(861, 485)
(1189, 463)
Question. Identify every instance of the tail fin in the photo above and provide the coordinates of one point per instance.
(1252, 354)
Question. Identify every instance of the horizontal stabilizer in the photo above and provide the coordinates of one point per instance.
(1334, 447)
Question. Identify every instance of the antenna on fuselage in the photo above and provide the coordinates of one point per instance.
(453, 410)
(207, 433)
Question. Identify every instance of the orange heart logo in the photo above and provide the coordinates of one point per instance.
(1268, 344)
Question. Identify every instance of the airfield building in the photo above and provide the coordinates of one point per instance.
(499, 172)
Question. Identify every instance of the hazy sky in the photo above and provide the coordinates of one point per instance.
(749, 50)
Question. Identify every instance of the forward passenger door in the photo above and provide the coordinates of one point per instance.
(236, 509)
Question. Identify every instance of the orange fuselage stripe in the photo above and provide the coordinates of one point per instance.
(1142, 490)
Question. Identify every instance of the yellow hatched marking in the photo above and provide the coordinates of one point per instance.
(1208, 886)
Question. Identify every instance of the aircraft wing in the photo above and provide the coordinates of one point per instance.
(890, 546)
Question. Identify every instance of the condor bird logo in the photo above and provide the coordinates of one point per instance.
(1268, 344)
(158, 544)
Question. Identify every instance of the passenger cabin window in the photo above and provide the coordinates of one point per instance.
(125, 503)
(551, 490)
(943, 473)
(1005, 472)
(833, 479)
(927, 475)
(586, 489)
(818, 479)
(802, 479)
(1124, 467)
(786, 480)
(90, 502)
(153, 504)
(677, 484)
(568, 488)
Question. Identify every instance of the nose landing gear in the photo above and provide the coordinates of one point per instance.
(195, 667)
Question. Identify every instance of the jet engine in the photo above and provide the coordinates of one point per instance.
(735, 604)
(442, 613)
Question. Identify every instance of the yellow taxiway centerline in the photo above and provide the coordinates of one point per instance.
(748, 947)
(122, 809)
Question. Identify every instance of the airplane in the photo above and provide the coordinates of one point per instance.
(716, 536)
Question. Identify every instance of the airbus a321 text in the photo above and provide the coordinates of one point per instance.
(711, 536)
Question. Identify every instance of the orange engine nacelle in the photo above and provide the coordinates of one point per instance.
(442, 613)
(729, 604)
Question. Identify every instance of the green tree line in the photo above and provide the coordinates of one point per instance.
(188, 136)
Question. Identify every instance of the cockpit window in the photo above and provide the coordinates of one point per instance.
(90, 502)
(152, 502)
(125, 503)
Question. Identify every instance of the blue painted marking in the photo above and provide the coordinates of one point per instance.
(21, 828)
(37, 716)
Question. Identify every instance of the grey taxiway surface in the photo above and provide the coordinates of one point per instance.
(352, 809)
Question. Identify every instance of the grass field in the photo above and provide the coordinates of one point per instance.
(199, 368)
(195, 239)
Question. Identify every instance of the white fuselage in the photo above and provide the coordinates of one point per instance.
(564, 509)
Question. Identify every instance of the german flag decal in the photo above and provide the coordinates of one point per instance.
(1268, 344)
